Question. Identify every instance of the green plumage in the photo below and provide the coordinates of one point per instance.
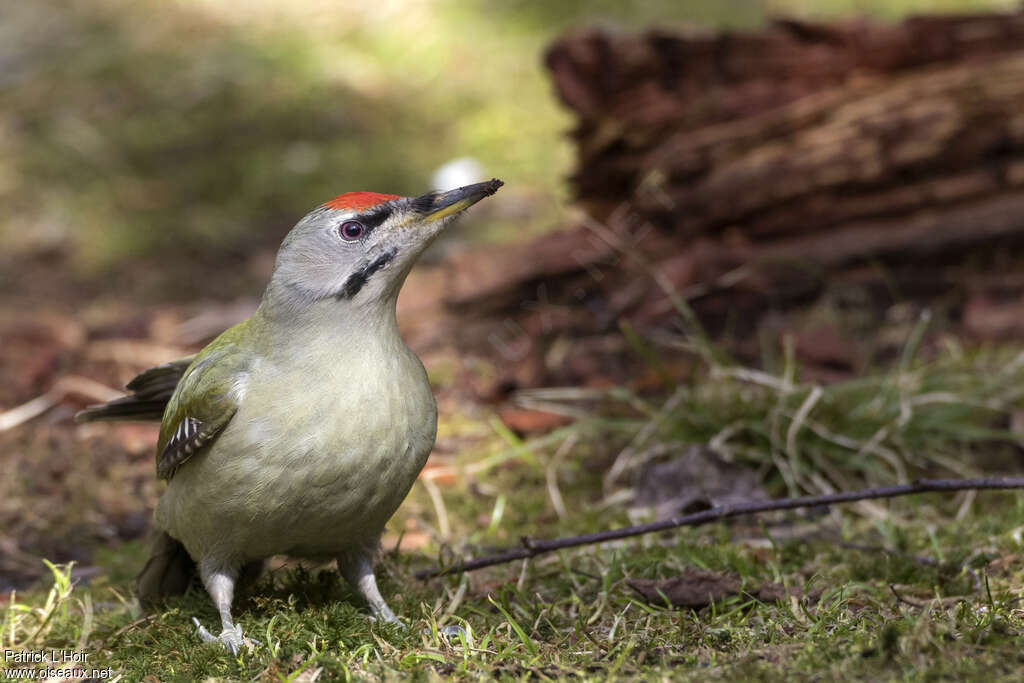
(206, 398)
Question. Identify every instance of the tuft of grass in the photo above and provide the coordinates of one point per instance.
(26, 626)
(948, 414)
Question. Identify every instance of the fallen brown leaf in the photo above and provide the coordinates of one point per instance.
(410, 540)
(695, 480)
(72, 384)
(1004, 564)
(523, 421)
(697, 588)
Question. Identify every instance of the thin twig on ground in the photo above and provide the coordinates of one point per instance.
(532, 547)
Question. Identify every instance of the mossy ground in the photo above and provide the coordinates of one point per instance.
(917, 588)
(879, 616)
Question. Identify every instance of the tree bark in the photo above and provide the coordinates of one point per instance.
(754, 172)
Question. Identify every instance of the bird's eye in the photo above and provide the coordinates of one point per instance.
(351, 230)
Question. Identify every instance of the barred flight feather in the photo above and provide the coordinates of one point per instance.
(188, 438)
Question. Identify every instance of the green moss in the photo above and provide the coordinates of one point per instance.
(577, 618)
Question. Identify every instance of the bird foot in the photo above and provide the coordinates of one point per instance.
(386, 616)
(452, 631)
(231, 638)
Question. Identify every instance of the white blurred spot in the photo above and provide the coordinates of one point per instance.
(456, 173)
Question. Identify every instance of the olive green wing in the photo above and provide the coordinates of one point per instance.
(204, 401)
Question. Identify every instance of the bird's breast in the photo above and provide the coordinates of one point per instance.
(309, 467)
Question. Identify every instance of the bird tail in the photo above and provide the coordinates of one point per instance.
(128, 408)
(150, 392)
(168, 572)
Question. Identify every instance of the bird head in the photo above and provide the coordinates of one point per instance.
(359, 246)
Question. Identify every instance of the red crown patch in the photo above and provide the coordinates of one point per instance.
(359, 201)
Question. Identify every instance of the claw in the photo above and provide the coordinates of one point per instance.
(231, 638)
(386, 616)
(452, 631)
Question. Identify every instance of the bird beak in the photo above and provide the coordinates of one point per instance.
(434, 206)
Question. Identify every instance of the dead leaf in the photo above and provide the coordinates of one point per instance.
(991, 319)
(524, 421)
(212, 321)
(697, 588)
(133, 352)
(135, 438)
(410, 540)
(72, 384)
(1004, 564)
(440, 472)
(698, 479)
(771, 591)
(826, 345)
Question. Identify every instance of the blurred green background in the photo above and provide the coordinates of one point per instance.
(150, 137)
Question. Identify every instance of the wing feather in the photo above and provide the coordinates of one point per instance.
(190, 436)
(150, 392)
(204, 401)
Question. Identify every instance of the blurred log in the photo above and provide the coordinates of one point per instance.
(753, 170)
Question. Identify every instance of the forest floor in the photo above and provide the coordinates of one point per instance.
(916, 588)
(854, 614)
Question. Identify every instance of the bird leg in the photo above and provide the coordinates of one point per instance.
(357, 568)
(220, 584)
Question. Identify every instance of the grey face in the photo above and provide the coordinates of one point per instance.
(359, 247)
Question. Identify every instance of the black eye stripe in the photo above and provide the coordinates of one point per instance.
(371, 219)
(358, 279)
